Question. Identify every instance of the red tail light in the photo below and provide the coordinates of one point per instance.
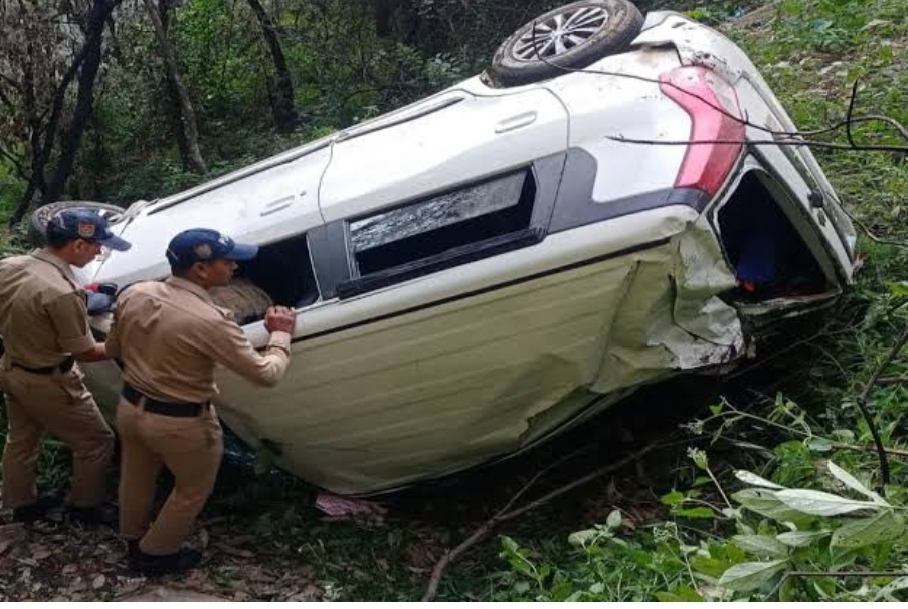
(706, 165)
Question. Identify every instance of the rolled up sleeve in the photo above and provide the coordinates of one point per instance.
(69, 317)
(232, 350)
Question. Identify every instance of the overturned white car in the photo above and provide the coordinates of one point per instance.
(494, 264)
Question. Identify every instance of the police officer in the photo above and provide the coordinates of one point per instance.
(170, 336)
(44, 324)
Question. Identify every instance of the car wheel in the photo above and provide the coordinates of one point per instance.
(41, 216)
(572, 36)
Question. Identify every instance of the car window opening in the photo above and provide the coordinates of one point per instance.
(281, 274)
(770, 259)
(444, 222)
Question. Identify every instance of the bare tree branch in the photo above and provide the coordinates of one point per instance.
(789, 142)
(506, 513)
(862, 404)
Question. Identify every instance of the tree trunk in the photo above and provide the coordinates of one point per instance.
(173, 93)
(71, 138)
(384, 16)
(196, 162)
(43, 136)
(396, 18)
(283, 107)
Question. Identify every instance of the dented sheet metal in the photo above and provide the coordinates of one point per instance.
(518, 364)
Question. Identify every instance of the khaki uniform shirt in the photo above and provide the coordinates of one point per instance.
(170, 335)
(43, 319)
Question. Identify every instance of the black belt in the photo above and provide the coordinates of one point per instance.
(64, 366)
(170, 409)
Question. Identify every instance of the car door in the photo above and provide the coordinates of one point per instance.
(451, 139)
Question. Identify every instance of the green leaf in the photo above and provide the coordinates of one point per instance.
(697, 512)
(895, 585)
(561, 591)
(819, 503)
(672, 498)
(761, 545)
(716, 409)
(681, 594)
(801, 539)
(751, 575)
(509, 544)
(710, 566)
(826, 587)
(614, 519)
(788, 590)
(689, 594)
(853, 483)
(879, 528)
(820, 445)
(765, 503)
(581, 538)
(755, 480)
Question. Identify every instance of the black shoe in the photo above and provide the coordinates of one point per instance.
(39, 509)
(151, 565)
(99, 514)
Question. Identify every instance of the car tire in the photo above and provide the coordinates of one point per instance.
(38, 221)
(585, 31)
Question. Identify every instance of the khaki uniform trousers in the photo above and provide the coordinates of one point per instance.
(60, 404)
(190, 447)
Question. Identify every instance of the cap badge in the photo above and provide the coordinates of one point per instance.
(86, 230)
(203, 251)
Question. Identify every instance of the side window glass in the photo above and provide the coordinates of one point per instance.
(443, 223)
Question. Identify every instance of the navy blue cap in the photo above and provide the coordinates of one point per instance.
(203, 245)
(84, 223)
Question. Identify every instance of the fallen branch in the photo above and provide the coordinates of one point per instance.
(748, 142)
(873, 237)
(716, 106)
(789, 574)
(846, 574)
(862, 405)
(889, 451)
(735, 412)
(506, 513)
(891, 380)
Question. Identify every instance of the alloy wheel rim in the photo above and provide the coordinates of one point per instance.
(560, 33)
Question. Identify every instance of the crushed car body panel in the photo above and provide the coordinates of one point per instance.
(459, 382)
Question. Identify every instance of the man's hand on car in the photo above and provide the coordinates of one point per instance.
(280, 319)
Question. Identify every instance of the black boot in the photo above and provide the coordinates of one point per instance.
(39, 509)
(98, 514)
(151, 565)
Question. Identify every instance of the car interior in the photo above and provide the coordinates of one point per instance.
(770, 258)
